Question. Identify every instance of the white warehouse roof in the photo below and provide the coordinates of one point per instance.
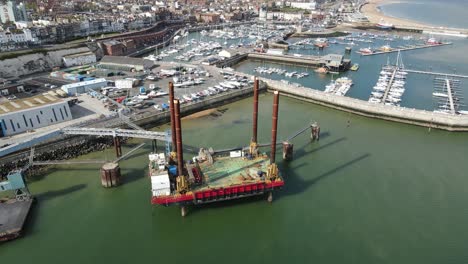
(84, 83)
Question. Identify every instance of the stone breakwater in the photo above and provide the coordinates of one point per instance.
(66, 149)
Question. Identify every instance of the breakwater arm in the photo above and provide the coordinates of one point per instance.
(364, 108)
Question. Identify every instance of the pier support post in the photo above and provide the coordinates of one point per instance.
(118, 147)
(172, 113)
(181, 181)
(110, 175)
(315, 132)
(270, 197)
(255, 110)
(287, 151)
(183, 211)
(274, 126)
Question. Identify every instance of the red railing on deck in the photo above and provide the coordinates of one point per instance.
(221, 193)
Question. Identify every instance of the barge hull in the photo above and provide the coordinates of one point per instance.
(218, 195)
(13, 215)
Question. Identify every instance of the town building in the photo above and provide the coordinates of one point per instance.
(210, 18)
(79, 59)
(227, 53)
(125, 64)
(83, 87)
(12, 12)
(304, 5)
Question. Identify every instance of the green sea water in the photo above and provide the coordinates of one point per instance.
(370, 192)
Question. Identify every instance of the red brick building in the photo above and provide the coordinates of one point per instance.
(210, 18)
(195, 2)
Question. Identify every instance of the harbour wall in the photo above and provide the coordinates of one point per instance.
(364, 108)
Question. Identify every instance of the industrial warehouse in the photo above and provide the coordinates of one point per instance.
(31, 113)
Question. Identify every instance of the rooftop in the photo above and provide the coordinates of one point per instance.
(124, 60)
(29, 102)
(79, 84)
(77, 55)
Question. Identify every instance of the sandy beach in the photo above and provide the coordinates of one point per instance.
(374, 15)
(201, 114)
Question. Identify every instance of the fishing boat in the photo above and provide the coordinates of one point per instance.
(433, 41)
(321, 70)
(385, 48)
(355, 67)
(365, 51)
(321, 42)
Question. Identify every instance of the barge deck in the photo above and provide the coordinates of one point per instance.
(225, 179)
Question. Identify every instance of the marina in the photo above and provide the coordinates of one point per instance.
(447, 94)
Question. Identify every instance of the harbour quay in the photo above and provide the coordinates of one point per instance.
(334, 62)
(381, 111)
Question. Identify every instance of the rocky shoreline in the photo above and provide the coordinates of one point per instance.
(67, 149)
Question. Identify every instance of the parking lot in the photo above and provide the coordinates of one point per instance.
(154, 95)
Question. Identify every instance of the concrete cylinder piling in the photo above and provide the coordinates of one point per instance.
(110, 175)
(172, 113)
(178, 132)
(255, 110)
(287, 151)
(315, 132)
(274, 127)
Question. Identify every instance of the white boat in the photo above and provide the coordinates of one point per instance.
(440, 95)
(384, 25)
(366, 51)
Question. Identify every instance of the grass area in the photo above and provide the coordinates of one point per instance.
(13, 55)
(288, 9)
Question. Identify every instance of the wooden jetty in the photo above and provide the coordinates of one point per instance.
(389, 86)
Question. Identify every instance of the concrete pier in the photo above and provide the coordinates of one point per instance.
(448, 85)
(13, 215)
(405, 49)
(330, 61)
(437, 73)
(364, 108)
(389, 86)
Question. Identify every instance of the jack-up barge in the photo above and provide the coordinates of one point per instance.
(214, 176)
